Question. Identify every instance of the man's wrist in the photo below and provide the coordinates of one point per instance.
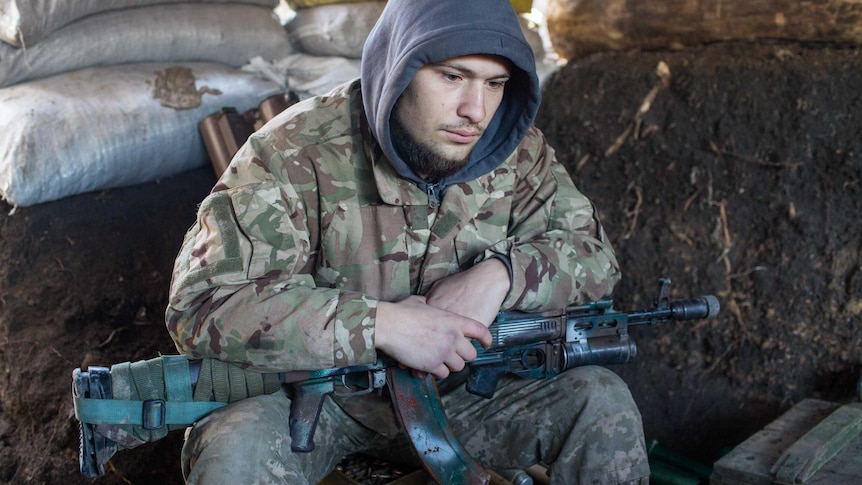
(380, 329)
(502, 276)
(506, 262)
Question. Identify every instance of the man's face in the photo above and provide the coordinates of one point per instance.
(441, 115)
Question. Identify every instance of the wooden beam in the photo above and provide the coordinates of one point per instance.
(578, 28)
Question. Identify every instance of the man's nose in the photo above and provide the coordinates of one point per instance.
(472, 103)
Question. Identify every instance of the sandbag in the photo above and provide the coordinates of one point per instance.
(26, 22)
(334, 30)
(340, 29)
(520, 6)
(301, 4)
(113, 126)
(306, 75)
(226, 34)
(578, 28)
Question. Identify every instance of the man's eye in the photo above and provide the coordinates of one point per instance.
(496, 84)
(451, 77)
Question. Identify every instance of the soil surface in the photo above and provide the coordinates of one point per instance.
(739, 177)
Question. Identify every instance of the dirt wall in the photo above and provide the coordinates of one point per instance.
(740, 178)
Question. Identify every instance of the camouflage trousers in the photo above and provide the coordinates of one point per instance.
(583, 424)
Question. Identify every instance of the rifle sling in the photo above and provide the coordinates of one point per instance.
(151, 414)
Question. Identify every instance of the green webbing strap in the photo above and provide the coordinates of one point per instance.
(271, 383)
(203, 389)
(135, 413)
(157, 392)
(178, 381)
(254, 381)
(236, 378)
(149, 379)
(221, 389)
(149, 393)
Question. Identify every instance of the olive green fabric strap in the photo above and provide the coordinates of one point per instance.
(152, 394)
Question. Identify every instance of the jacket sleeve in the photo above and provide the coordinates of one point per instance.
(558, 251)
(241, 289)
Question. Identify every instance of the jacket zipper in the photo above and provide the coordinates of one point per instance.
(433, 194)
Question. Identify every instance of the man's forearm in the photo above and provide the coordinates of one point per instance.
(477, 292)
(298, 328)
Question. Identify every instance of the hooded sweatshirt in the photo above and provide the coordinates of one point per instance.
(413, 33)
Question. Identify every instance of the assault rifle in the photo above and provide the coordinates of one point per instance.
(133, 403)
(542, 345)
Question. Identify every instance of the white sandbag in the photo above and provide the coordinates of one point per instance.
(334, 30)
(226, 34)
(114, 126)
(27, 22)
(306, 75)
(301, 4)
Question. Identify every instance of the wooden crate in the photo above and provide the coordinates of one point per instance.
(814, 443)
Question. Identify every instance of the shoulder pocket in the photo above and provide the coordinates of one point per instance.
(211, 247)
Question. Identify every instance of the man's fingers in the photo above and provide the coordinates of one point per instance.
(479, 332)
(440, 372)
(465, 351)
(435, 340)
(456, 362)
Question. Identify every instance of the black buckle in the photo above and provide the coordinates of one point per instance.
(153, 416)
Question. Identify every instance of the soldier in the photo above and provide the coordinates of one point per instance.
(398, 214)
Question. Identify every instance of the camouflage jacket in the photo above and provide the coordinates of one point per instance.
(310, 227)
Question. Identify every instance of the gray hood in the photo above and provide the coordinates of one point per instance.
(412, 33)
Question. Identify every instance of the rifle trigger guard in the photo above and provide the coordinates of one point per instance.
(376, 380)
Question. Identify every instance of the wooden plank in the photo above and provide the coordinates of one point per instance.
(819, 445)
(581, 27)
(844, 469)
(750, 462)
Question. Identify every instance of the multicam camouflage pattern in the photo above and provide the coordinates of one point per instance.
(583, 424)
(309, 228)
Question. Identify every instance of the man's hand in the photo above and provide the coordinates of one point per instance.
(476, 293)
(427, 338)
(433, 333)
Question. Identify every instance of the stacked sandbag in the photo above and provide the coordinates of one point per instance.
(329, 35)
(210, 32)
(340, 27)
(105, 127)
(26, 22)
(330, 28)
(99, 94)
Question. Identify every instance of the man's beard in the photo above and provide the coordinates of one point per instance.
(422, 157)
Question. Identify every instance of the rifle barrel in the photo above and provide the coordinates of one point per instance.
(702, 307)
